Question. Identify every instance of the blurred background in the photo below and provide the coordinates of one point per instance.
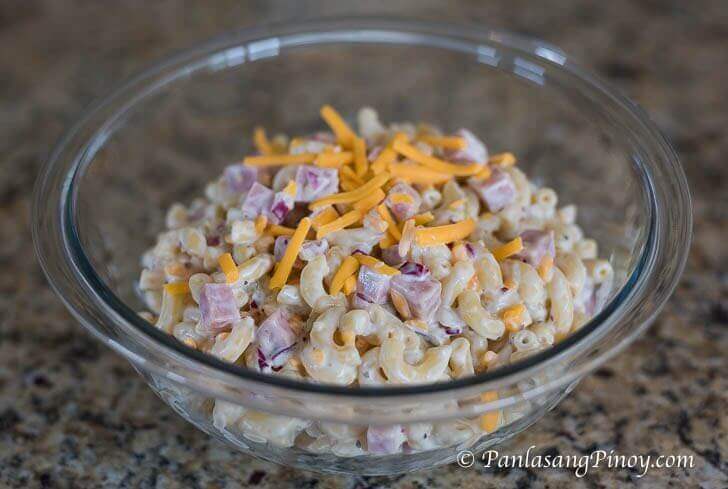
(73, 414)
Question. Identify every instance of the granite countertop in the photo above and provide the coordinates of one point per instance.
(74, 414)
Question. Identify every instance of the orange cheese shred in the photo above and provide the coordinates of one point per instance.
(347, 269)
(369, 201)
(347, 219)
(323, 217)
(333, 160)
(376, 265)
(228, 267)
(418, 174)
(509, 249)
(344, 135)
(350, 285)
(446, 142)
(283, 269)
(177, 288)
(409, 151)
(392, 227)
(260, 140)
(502, 159)
(424, 218)
(354, 195)
(280, 159)
(444, 234)
(360, 157)
(276, 230)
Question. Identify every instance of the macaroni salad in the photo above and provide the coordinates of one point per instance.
(393, 255)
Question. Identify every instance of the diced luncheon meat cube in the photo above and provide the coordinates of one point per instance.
(275, 340)
(497, 191)
(421, 292)
(280, 207)
(258, 201)
(404, 201)
(391, 256)
(384, 440)
(474, 151)
(240, 178)
(314, 183)
(217, 306)
(371, 286)
(536, 246)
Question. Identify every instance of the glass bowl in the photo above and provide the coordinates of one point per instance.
(159, 137)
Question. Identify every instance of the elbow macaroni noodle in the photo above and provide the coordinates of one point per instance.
(489, 312)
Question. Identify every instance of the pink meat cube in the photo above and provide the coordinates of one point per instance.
(536, 245)
(280, 207)
(258, 201)
(240, 178)
(474, 151)
(403, 210)
(313, 182)
(421, 292)
(497, 191)
(385, 440)
(371, 286)
(275, 340)
(217, 307)
(391, 256)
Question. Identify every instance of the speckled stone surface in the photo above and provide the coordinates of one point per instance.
(73, 414)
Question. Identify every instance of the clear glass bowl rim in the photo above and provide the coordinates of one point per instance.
(72, 277)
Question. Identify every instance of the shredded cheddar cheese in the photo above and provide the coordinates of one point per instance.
(417, 174)
(349, 197)
(261, 141)
(483, 174)
(360, 157)
(369, 201)
(282, 159)
(502, 159)
(386, 241)
(489, 421)
(509, 249)
(276, 230)
(228, 267)
(260, 223)
(350, 285)
(344, 135)
(347, 219)
(446, 142)
(283, 269)
(392, 227)
(324, 217)
(376, 265)
(347, 269)
(347, 172)
(382, 161)
(409, 151)
(424, 218)
(291, 188)
(544, 268)
(177, 288)
(513, 317)
(399, 198)
(444, 234)
(333, 160)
